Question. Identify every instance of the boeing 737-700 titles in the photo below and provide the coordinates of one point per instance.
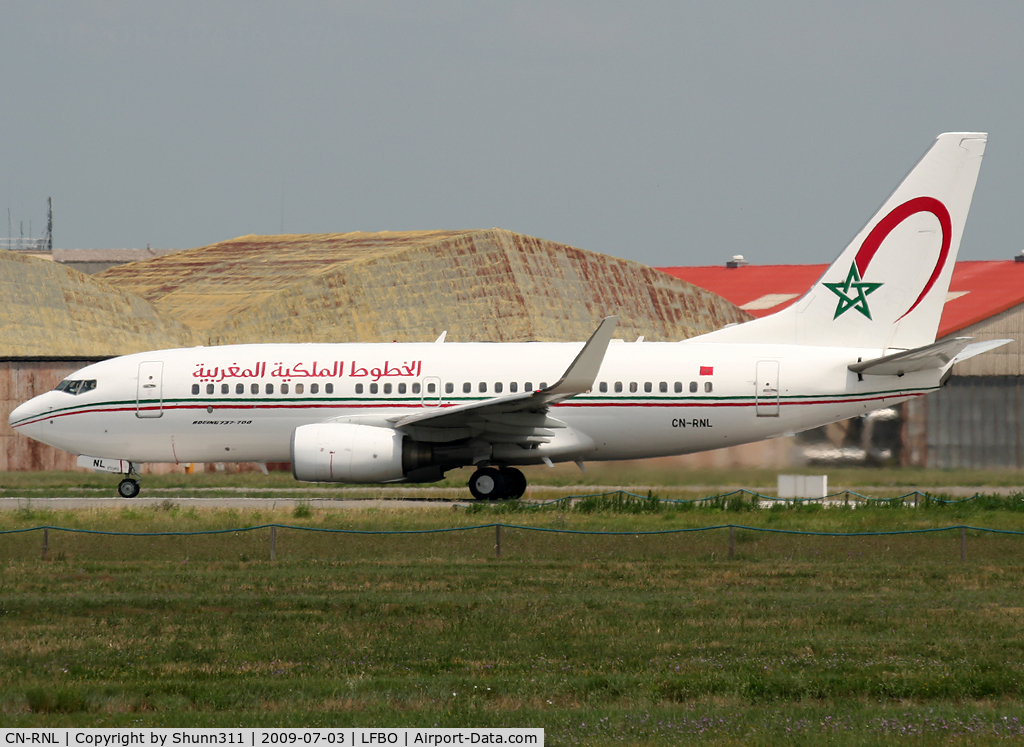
(862, 338)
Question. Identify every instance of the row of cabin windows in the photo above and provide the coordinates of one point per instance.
(431, 388)
(255, 389)
(649, 387)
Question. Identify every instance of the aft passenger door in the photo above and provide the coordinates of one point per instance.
(149, 397)
(766, 389)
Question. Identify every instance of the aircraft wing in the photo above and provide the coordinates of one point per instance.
(514, 418)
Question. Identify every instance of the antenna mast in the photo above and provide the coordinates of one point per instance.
(49, 225)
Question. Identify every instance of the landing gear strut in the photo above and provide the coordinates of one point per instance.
(489, 484)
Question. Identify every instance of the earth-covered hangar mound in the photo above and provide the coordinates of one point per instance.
(412, 286)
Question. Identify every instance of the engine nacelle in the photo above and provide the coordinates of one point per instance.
(344, 452)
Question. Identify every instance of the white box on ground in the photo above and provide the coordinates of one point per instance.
(803, 486)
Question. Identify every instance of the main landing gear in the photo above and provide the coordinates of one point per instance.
(490, 484)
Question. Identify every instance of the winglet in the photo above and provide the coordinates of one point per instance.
(580, 375)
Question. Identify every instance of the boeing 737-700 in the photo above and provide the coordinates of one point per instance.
(862, 338)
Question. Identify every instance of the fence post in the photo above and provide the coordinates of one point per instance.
(497, 540)
(273, 543)
(46, 542)
(963, 544)
(732, 542)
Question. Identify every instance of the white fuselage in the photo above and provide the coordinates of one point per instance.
(243, 402)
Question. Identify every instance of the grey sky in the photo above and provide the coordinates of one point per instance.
(667, 132)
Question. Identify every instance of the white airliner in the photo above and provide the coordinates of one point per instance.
(862, 338)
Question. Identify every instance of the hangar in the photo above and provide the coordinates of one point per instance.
(412, 286)
(474, 285)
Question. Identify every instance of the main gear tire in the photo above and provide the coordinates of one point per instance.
(515, 482)
(487, 484)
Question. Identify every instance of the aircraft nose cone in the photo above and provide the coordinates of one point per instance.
(17, 414)
(22, 414)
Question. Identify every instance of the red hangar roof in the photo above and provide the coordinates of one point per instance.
(979, 289)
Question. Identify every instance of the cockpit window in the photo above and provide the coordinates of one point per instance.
(76, 386)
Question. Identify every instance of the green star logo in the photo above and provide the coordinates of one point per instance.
(853, 293)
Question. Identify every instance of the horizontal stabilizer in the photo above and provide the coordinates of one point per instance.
(977, 348)
(936, 355)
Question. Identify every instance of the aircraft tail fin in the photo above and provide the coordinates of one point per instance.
(887, 289)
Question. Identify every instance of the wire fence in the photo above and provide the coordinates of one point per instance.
(498, 527)
(616, 501)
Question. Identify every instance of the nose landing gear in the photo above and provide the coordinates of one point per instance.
(489, 484)
(129, 486)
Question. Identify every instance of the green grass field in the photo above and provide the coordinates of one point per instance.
(600, 639)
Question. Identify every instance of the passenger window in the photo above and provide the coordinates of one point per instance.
(632, 387)
(239, 388)
(209, 388)
(299, 388)
(359, 388)
(678, 387)
(270, 389)
(329, 388)
(284, 389)
(663, 387)
(483, 387)
(449, 388)
(528, 386)
(255, 388)
(498, 387)
(387, 389)
(618, 387)
(431, 387)
(467, 388)
(707, 386)
(648, 387)
(314, 388)
(401, 388)
(195, 388)
(603, 386)
(374, 388)
(693, 386)
(513, 387)
(225, 388)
